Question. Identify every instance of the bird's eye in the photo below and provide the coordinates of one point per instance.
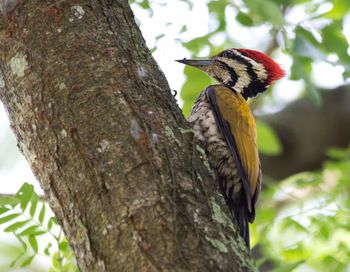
(224, 54)
(227, 54)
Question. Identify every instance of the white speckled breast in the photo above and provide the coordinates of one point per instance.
(206, 131)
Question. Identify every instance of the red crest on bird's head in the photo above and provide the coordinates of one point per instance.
(274, 70)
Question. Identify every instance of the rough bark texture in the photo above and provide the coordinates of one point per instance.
(95, 118)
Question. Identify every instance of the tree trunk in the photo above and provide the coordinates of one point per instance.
(95, 119)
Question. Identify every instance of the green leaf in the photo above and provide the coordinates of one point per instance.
(63, 246)
(33, 243)
(3, 210)
(339, 10)
(23, 244)
(51, 222)
(33, 205)
(324, 225)
(40, 232)
(16, 226)
(301, 69)
(217, 8)
(306, 45)
(313, 93)
(266, 11)
(183, 29)
(8, 218)
(289, 223)
(326, 231)
(335, 41)
(32, 230)
(69, 267)
(268, 142)
(337, 153)
(244, 19)
(196, 82)
(158, 37)
(13, 263)
(333, 264)
(27, 261)
(294, 253)
(25, 194)
(346, 73)
(42, 214)
(144, 4)
(9, 200)
(197, 44)
(267, 216)
(47, 249)
(56, 262)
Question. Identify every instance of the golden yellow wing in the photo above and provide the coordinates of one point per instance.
(236, 123)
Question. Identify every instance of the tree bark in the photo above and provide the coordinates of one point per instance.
(95, 119)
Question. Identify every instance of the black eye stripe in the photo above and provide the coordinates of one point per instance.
(231, 71)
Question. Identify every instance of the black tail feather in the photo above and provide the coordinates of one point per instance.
(241, 215)
(239, 209)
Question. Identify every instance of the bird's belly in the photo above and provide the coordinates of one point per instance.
(206, 131)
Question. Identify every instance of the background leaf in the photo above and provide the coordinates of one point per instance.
(268, 142)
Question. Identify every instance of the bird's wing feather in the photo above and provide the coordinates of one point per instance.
(236, 123)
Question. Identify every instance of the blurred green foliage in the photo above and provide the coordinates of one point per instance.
(268, 141)
(303, 223)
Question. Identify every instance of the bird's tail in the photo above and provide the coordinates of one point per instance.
(241, 216)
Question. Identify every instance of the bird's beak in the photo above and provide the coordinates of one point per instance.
(196, 63)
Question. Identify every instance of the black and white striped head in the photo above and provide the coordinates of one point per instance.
(246, 71)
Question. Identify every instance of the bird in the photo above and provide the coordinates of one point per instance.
(223, 122)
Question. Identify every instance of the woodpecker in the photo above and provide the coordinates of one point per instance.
(222, 120)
